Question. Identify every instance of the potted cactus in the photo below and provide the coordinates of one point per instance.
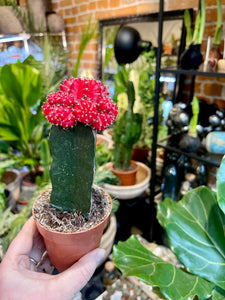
(74, 207)
(126, 132)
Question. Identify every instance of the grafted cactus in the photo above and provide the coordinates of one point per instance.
(79, 109)
(126, 132)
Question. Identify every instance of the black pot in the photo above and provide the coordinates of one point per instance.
(191, 58)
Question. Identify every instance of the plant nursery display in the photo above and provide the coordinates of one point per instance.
(195, 230)
(74, 205)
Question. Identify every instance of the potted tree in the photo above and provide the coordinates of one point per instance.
(195, 230)
(74, 210)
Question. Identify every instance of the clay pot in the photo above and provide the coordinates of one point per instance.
(126, 177)
(64, 249)
(140, 154)
(11, 177)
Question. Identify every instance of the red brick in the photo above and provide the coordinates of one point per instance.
(219, 102)
(92, 5)
(102, 4)
(64, 3)
(126, 11)
(204, 78)
(88, 56)
(212, 89)
(178, 4)
(83, 7)
(147, 8)
(114, 3)
(70, 20)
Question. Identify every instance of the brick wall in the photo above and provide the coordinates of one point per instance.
(77, 12)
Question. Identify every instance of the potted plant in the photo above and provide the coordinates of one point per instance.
(126, 132)
(195, 230)
(214, 52)
(191, 58)
(74, 205)
(22, 125)
(146, 91)
(190, 142)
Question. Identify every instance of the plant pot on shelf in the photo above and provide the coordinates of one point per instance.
(191, 58)
(12, 179)
(28, 187)
(140, 154)
(65, 248)
(120, 192)
(126, 177)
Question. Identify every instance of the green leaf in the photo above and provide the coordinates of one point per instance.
(218, 294)
(133, 259)
(21, 83)
(195, 230)
(220, 185)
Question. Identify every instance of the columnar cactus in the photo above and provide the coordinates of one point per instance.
(79, 109)
(126, 132)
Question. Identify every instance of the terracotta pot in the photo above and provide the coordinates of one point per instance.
(143, 177)
(12, 179)
(126, 177)
(140, 154)
(64, 249)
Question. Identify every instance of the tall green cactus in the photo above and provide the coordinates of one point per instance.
(126, 132)
(72, 169)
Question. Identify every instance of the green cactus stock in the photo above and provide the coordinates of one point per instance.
(73, 154)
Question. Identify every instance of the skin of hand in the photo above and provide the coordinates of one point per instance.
(20, 278)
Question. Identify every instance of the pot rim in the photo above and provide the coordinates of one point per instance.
(74, 232)
(130, 187)
(132, 162)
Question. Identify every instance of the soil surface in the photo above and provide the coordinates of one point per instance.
(63, 221)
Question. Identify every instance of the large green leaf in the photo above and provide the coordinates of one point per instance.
(133, 259)
(21, 83)
(220, 185)
(195, 229)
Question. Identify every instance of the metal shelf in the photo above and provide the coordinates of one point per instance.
(199, 72)
(203, 156)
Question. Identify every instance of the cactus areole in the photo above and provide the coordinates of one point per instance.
(79, 109)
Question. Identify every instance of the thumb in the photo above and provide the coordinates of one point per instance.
(80, 273)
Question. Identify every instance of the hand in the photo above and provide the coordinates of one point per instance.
(21, 277)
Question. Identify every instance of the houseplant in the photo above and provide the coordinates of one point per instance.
(195, 230)
(191, 58)
(146, 92)
(81, 107)
(126, 133)
(214, 53)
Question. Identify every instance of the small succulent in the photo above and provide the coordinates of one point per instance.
(79, 109)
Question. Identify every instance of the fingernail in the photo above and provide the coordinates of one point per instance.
(100, 254)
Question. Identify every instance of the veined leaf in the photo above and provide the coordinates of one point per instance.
(21, 83)
(195, 229)
(133, 259)
(218, 294)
